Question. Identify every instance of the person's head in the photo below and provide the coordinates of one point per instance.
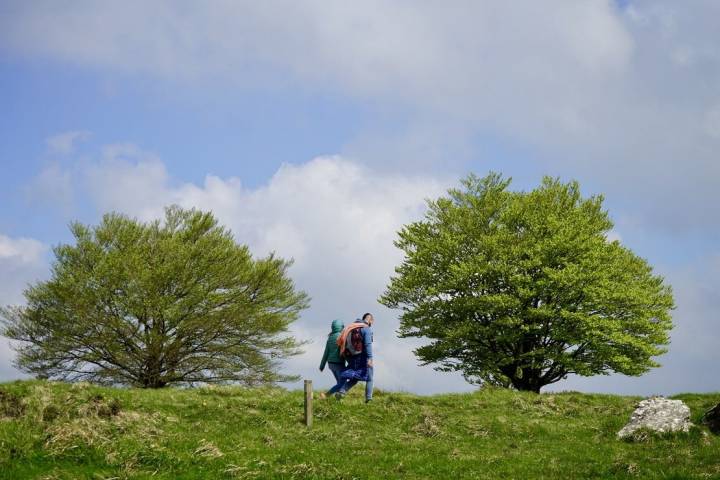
(368, 318)
(337, 326)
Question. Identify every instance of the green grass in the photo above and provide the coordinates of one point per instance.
(61, 431)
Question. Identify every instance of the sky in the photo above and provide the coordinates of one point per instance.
(317, 129)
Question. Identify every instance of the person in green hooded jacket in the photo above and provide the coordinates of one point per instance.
(332, 357)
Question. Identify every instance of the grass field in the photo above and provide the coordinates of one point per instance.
(61, 431)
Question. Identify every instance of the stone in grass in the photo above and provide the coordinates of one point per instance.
(712, 419)
(660, 415)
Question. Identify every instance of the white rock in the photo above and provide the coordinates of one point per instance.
(660, 415)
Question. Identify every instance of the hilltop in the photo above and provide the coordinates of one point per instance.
(63, 431)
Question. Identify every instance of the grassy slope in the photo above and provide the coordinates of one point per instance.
(60, 431)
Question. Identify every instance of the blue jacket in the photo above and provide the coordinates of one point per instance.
(367, 334)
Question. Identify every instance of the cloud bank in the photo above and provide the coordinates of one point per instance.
(624, 96)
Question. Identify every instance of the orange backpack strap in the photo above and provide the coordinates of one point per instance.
(346, 331)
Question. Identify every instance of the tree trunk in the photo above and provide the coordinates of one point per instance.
(152, 376)
(150, 382)
(527, 383)
(527, 388)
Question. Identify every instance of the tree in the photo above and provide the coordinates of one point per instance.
(524, 288)
(155, 304)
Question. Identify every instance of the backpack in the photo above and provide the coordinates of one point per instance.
(354, 343)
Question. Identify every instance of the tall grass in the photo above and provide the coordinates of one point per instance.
(61, 431)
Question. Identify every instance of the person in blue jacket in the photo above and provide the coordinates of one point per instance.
(360, 366)
(332, 357)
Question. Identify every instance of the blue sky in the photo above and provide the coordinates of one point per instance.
(243, 133)
(317, 129)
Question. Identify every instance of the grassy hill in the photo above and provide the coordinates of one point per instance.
(60, 431)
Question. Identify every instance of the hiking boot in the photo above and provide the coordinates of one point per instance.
(339, 395)
(368, 400)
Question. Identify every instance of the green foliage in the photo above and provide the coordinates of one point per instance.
(524, 288)
(153, 304)
(81, 431)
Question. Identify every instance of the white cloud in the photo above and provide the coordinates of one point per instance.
(327, 206)
(64, 143)
(338, 221)
(484, 61)
(335, 218)
(613, 235)
(614, 95)
(22, 261)
(349, 41)
(20, 251)
(128, 176)
(52, 186)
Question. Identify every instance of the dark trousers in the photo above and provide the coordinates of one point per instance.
(336, 369)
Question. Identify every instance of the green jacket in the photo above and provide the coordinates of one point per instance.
(332, 351)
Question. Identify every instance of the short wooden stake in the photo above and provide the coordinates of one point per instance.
(308, 403)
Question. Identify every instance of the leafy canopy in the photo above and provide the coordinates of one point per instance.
(153, 304)
(523, 288)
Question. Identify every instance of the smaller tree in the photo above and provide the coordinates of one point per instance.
(155, 304)
(523, 289)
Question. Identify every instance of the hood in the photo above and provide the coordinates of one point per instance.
(337, 326)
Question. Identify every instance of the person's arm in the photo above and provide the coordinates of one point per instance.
(324, 358)
(367, 343)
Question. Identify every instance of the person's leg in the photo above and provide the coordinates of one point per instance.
(337, 387)
(336, 369)
(348, 385)
(342, 391)
(369, 385)
(339, 380)
(354, 363)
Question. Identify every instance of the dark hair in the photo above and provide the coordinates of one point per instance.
(366, 315)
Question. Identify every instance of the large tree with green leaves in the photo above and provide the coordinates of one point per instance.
(176, 301)
(524, 288)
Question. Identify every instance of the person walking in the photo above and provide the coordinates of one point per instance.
(356, 345)
(332, 357)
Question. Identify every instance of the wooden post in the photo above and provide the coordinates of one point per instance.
(308, 403)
